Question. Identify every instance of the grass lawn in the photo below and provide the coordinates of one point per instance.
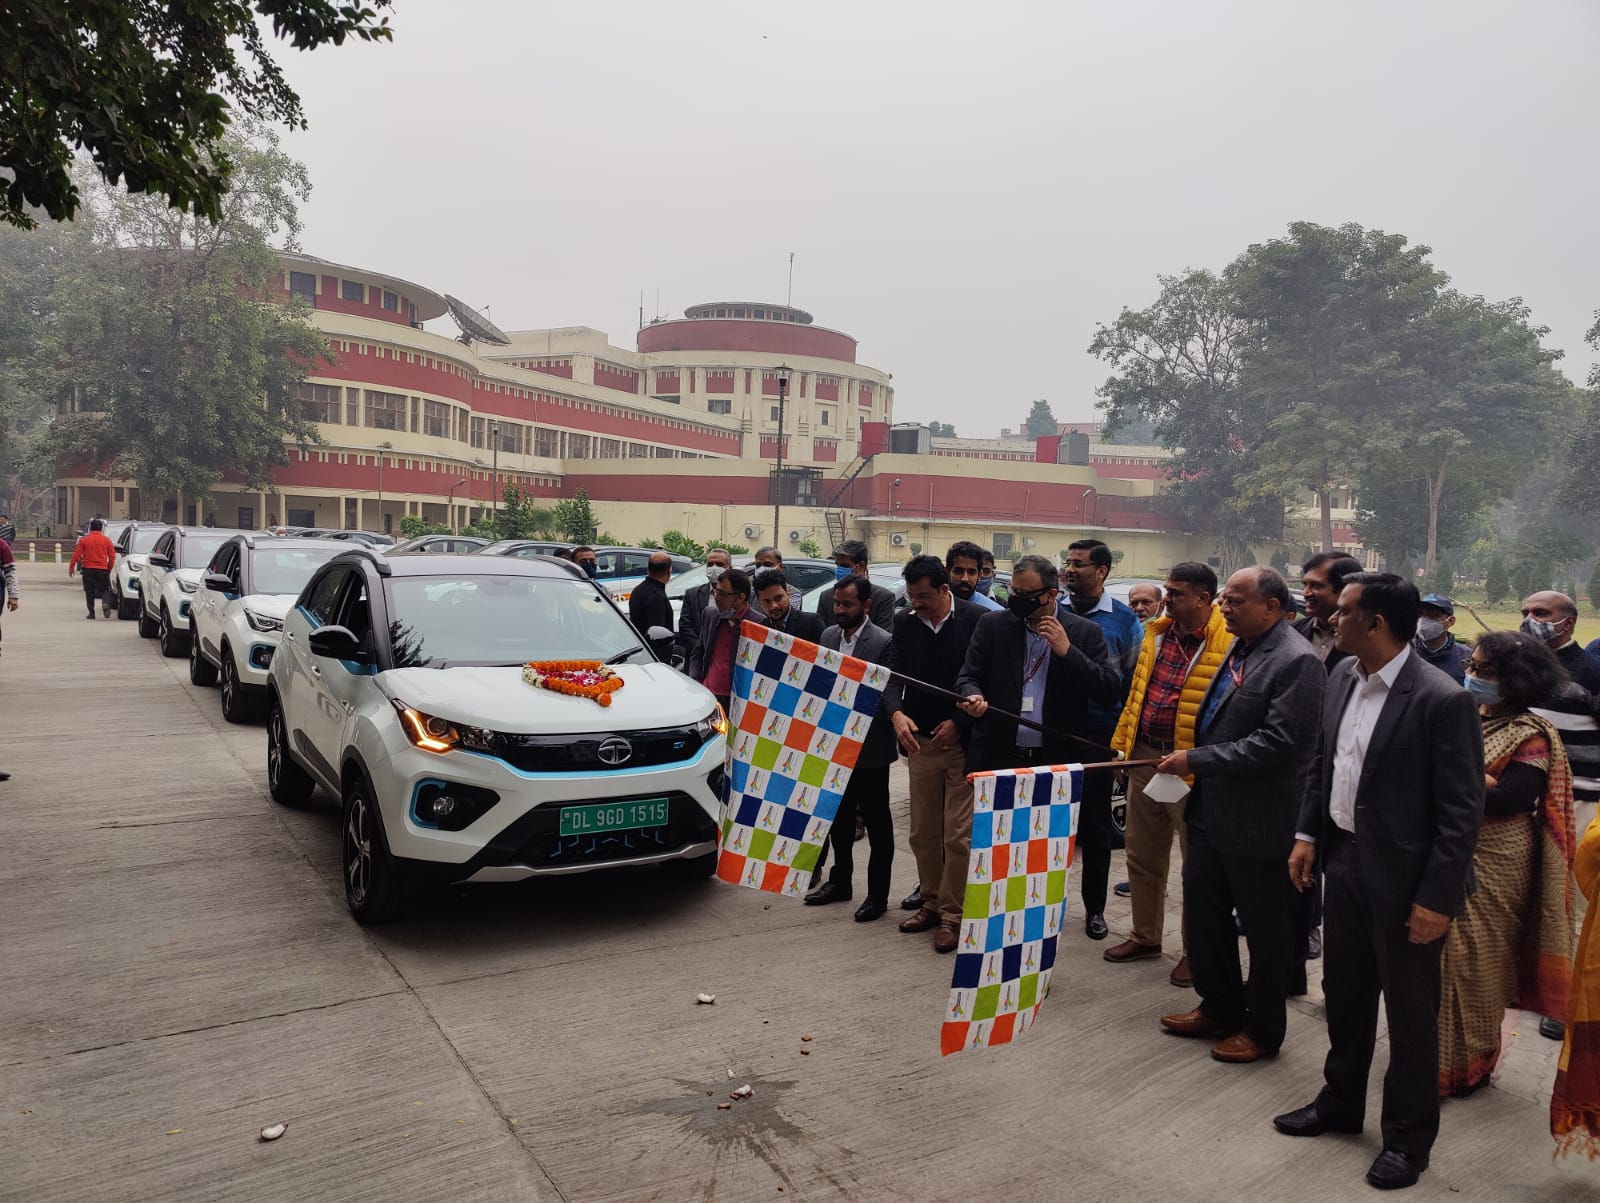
(1507, 616)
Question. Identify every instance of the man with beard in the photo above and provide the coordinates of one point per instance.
(964, 564)
(711, 659)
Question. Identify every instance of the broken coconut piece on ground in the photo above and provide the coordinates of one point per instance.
(743, 1092)
(273, 1131)
(705, 999)
(724, 1106)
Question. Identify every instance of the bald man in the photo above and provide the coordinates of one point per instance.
(1552, 617)
(648, 605)
(1145, 600)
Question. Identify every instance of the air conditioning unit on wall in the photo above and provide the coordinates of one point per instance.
(752, 532)
(897, 540)
(795, 536)
(1027, 542)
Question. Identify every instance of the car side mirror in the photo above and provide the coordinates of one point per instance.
(337, 643)
(219, 582)
(659, 634)
(159, 558)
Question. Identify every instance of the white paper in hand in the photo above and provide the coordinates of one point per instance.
(1164, 787)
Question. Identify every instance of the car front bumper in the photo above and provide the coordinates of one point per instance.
(518, 836)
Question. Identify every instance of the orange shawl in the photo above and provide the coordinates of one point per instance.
(1575, 1105)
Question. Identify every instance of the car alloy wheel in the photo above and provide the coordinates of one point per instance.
(357, 851)
(234, 707)
(201, 671)
(371, 888)
(170, 647)
(287, 782)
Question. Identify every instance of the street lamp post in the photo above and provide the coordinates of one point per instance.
(383, 448)
(494, 438)
(777, 491)
(450, 505)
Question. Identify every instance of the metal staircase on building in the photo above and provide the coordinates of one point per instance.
(835, 521)
(845, 479)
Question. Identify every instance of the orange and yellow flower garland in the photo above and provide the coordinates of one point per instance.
(575, 678)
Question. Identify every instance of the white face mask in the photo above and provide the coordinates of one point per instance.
(1429, 629)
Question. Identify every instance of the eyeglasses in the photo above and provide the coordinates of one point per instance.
(1029, 598)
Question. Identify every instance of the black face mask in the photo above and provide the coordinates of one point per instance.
(592, 568)
(1024, 604)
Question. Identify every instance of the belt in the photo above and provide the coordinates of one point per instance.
(1160, 745)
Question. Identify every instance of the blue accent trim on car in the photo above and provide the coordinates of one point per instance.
(261, 655)
(183, 609)
(416, 795)
(590, 775)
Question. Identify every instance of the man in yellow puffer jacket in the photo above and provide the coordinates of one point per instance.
(1181, 653)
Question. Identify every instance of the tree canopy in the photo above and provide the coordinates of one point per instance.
(1040, 420)
(148, 90)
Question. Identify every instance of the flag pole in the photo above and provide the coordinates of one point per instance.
(1104, 755)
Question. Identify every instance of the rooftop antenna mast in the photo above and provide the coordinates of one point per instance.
(790, 301)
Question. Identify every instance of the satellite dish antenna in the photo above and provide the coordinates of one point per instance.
(473, 324)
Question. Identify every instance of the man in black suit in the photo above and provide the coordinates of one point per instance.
(1393, 815)
(696, 600)
(647, 602)
(1045, 665)
(1255, 742)
(775, 602)
(850, 559)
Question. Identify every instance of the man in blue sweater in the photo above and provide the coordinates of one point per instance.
(1088, 566)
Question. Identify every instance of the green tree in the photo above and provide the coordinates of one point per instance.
(414, 526)
(149, 91)
(1040, 420)
(521, 517)
(916, 549)
(1580, 488)
(1177, 367)
(574, 518)
(942, 430)
(1440, 579)
(160, 356)
(733, 549)
(1496, 581)
(1594, 587)
(811, 548)
(679, 544)
(1332, 311)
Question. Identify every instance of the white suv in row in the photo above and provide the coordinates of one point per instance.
(398, 688)
(236, 619)
(136, 539)
(169, 579)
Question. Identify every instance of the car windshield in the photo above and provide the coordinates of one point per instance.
(685, 581)
(287, 570)
(196, 550)
(144, 537)
(471, 619)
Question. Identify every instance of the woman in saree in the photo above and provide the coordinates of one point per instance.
(1512, 944)
(1575, 1104)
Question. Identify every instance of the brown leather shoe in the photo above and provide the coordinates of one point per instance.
(947, 937)
(1129, 950)
(1195, 1023)
(1181, 977)
(1239, 1049)
(922, 920)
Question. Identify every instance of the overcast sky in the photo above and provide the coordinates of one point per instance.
(967, 188)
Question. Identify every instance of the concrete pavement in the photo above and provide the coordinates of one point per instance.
(178, 970)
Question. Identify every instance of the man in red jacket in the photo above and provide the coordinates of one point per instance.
(96, 554)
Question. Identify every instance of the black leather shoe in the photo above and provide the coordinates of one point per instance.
(872, 908)
(1552, 1029)
(1314, 945)
(828, 891)
(912, 901)
(1297, 984)
(1095, 927)
(1394, 1170)
(1123, 889)
(1311, 1120)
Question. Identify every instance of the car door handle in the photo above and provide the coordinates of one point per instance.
(289, 635)
(315, 671)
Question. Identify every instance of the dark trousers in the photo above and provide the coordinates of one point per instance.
(866, 795)
(1365, 952)
(96, 583)
(1093, 847)
(1215, 884)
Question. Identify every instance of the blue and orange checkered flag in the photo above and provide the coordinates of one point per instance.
(1024, 832)
(798, 714)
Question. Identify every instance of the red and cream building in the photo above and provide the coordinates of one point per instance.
(680, 432)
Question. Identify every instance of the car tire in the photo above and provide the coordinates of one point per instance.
(237, 706)
(172, 640)
(201, 671)
(371, 886)
(125, 608)
(693, 868)
(149, 628)
(1119, 817)
(287, 782)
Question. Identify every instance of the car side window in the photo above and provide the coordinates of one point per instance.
(164, 547)
(323, 599)
(355, 614)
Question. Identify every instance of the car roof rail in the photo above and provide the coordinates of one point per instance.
(378, 560)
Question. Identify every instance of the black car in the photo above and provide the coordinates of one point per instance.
(439, 544)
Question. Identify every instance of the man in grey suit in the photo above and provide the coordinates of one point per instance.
(1393, 815)
(1254, 747)
(867, 794)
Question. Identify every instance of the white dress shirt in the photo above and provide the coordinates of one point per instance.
(847, 639)
(1359, 720)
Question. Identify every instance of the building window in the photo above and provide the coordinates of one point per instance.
(477, 432)
(303, 284)
(824, 418)
(391, 301)
(386, 411)
(610, 449)
(577, 446)
(719, 405)
(775, 412)
(546, 441)
(511, 437)
(352, 290)
(436, 419)
(758, 313)
(318, 402)
(352, 407)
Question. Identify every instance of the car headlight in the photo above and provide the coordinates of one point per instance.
(189, 586)
(262, 622)
(713, 725)
(440, 735)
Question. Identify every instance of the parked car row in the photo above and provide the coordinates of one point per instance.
(393, 680)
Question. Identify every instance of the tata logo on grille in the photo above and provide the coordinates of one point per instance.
(614, 751)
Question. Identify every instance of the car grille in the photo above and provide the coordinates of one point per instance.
(567, 754)
(544, 847)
